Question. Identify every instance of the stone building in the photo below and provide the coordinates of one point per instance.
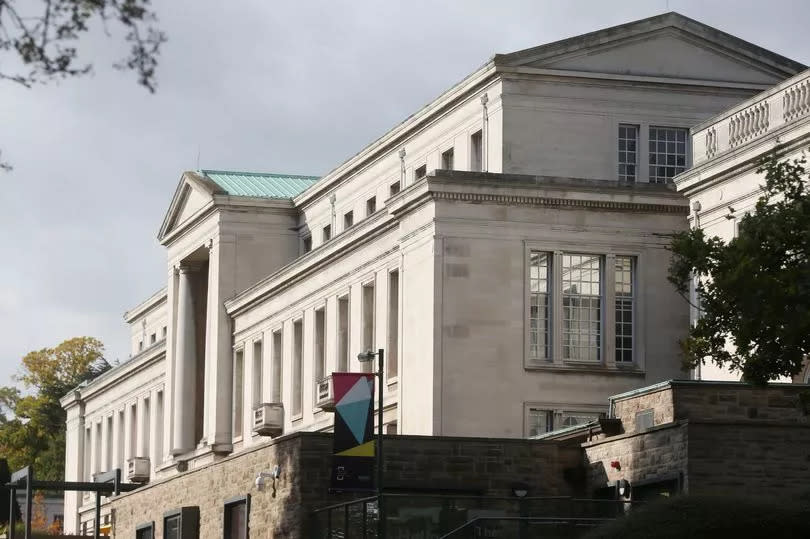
(723, 184)
(505, 246)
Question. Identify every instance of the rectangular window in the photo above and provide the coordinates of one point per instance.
(628, 152)
(447, 159)
(133, 431)
(420, 172)
(88, 473)
(183, 523)
(392, 357)
(97, 449)
(153, 338)
(140, 346)
(142, 531)
(582, 309)
(476, 152)
(164, 332)
(539, 277)
(298, 367)
(277, 358)
(236, 518)
(307, 244)
(394, 189)
(541, 420)
(624, 309)
(320, 345)
(119, 443)
(158, 429)
(147, 429)
(108, 463)
(327, 233)
(343, 334)
(238, 393)
(368, 322)
(348, 219)
(371, 206)
(667, 153)
(256, 385)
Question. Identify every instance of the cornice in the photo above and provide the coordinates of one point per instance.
(145, 306)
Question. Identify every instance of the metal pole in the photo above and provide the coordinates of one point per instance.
(97, 523)
(12, 514)
(380, 501)
(29, 502)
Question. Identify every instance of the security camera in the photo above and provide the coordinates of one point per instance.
(259, 482)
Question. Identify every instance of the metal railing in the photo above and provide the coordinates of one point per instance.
(462, 517)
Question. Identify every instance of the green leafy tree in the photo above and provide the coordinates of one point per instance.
(32, 425)
(755, 289)
(38, 39)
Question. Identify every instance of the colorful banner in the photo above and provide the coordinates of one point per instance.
(354, 443)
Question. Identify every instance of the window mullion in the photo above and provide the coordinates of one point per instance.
(555, 291)
(609, 311)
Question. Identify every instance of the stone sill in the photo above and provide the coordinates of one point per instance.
(589, 367)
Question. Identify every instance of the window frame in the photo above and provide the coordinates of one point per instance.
(607, 361)
(448, 157)
(189, 521)
(238, 352)
(371, 205)
(145, 526)
(686, 153)
(555, 409)
(476, 151)
(420, 172)
(620, 151)
(348, 219)
(231, 502)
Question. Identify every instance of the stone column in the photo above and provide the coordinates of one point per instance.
(185, 363)
(142, 428)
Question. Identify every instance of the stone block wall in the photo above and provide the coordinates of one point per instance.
(766, 459)
(649, 455)
(731, 402)
(660, 401)
(413, 464)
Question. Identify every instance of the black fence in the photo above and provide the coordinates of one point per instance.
(462, 517)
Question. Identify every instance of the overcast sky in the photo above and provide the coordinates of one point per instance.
(254, 85)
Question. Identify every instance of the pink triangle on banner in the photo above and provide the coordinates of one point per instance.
(342, 382)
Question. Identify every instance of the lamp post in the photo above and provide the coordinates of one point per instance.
(365, 357)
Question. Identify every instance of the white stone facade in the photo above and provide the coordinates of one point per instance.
(723, 185)
(491, 244)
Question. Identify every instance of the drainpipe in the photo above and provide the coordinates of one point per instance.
(484, 132)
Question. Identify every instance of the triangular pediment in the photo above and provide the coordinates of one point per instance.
(193, 196)
(669, 45)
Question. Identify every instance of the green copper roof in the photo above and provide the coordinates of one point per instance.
(256, 184)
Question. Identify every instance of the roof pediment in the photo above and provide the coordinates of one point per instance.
(668, 45)
(193, 196)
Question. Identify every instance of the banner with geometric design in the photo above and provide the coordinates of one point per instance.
(354, 442)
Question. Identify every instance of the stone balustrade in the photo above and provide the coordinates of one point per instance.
(752, 119)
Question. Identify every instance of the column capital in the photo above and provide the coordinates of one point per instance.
(187, 268)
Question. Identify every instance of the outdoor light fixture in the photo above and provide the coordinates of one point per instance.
(623, 486)
(261, 476)
(520, 490)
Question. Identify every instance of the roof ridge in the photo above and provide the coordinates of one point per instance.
(246, 173)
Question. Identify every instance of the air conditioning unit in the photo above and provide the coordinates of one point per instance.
(138, 469)
(268, 419)
(325, 395)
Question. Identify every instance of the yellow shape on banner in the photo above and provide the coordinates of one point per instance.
(364, 450)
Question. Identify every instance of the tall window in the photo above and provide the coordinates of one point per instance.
(97, 448)
(327, 233)
(392, 357)
(276, 369)
(158, 428)
(667, 153)
(256, 385)
(371, 205)
(343, 334)
(88, 440)
(447, 159)
(368, 322)
(582, 298)
(348, 219)
(624, 309)
(476, 152)
(108, 463)
(133, 431)
(628, 152)
(147, 429)
(119, 443)
(420, 172)
(307, 244)
(320, 342)
(539, 277)
(298, 367)
(539, 421)
(238, 393)
(236, 518)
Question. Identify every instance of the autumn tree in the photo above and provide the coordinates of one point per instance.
(39, 39)
(754, 290)
(32, 423)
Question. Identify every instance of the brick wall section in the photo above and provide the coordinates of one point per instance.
(729, 402)
(655, 453)
(771, 460)
(490, 466)
(659, 401)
